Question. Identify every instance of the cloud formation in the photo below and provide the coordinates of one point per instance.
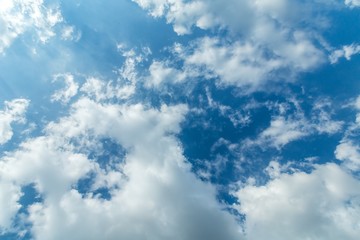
(323, 204)
(13, 113)
(154, 196)
(187, 140)
(18, 17)
(264, 41)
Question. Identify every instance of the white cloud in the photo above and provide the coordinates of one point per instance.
(70, 90)
(14, 112)
(282, 131)
(320, 205)
(154, 195)
(9, 196)
(236, 64)
(246, 64)
(125, 86)
(349, 152)
(243, 16)
(348, 149)
(18, 17)
(160, 74)
(69, 33)
(357, 103)
(346, 52)
(101, 90)
(266, 39)
(285, 128)
(183, 15)
(352, 3)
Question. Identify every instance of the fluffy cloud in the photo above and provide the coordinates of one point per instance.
(154, 196)
(269, 39)
(14, 112)
(238, 16)
(17, 17)
(160, 74)
(349, 152)
(9, 197)
(248, 65)
(320, 205)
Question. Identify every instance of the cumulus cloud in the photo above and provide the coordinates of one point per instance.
(18, 17)
(349, 152)
(14, 112)
(9, 197)
(323, 204)
(155, 194)
(245, 64)
(160, 73)
(269, 38)
(238, 16)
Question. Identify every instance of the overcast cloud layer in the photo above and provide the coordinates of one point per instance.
(176, 119)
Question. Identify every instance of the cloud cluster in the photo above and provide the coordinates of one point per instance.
(153, 193)
(18, 17)
(323, 204)
(150, 190)
(266, 41)
(286, 127)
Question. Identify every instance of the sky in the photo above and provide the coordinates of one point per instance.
(180, 119)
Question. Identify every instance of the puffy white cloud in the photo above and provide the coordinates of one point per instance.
(323, 204)
(238, 16)
(159, 74)
(70, 90)
(153, 192)
(9, 196)
(248, 65)
(266, 40)
(346, 52)
(14, 112)
(242, 65)
(349, 152)
(19, 16)
(183, 15)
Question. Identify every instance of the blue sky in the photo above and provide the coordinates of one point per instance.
(177, 119)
